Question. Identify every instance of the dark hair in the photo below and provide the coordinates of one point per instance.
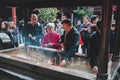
(99, 24)
(113, 25)
(94, 18)
(93, 27)
(64, 15)
(6, 24)
(67, 22)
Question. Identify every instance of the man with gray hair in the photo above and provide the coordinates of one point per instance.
(35, 31)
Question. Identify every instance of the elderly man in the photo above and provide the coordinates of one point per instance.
(35, 31)
(69, 41)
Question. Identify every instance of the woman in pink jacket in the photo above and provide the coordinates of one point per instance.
(51, 38)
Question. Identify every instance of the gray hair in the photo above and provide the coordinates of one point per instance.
(52, 25)
(34, 15)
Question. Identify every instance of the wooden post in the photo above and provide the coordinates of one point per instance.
(26, 28)
(105, 35)
(14, 15)
(117, 43)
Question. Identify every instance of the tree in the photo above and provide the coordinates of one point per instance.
(48, 14)
(83, 11)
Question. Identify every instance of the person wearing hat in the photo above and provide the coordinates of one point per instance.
(69, 41)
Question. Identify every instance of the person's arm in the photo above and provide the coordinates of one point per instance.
(11, 36)
(41, 32)
(43, 42)
(72, 50)
(16, 31)
(62, 38)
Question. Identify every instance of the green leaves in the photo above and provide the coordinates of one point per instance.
(83, 11)
(48, 14)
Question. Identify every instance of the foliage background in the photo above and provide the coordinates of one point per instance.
(82, 11)
(48, 14)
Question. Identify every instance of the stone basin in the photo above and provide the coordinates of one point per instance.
(32, 61)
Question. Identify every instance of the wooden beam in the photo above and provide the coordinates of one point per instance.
(104, 42)
(50, 3)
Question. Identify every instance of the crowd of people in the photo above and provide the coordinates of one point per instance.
(63, 35)
(11, 30)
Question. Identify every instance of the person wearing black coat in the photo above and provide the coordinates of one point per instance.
(4, 29)
(93, 47)
(69, 41)
(112, 39)
(35, 33)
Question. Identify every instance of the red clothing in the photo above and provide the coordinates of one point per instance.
(81, 41)
(52, 38)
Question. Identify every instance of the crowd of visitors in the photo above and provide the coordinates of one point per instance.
(62, 35)
(11, 30)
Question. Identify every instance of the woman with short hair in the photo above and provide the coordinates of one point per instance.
(51, 40)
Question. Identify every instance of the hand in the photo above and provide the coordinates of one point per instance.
(46, 45)
(33, 38)
(62, 45)
(50, 44)
(110, 55)
(50, 62)
(63, 63)
(85, 29)
(30, 36)
(10, 30)
(95, 69)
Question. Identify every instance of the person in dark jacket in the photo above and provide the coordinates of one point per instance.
(112, 41)
(84, 34)
(4, 29)
(21, 31)
(78, 25)
(14, 31)
(69, 41)
(35, 33)
(94, 19)
(93, 48)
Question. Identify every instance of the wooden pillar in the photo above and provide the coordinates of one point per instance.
(26, 28)
(117, 43)
(14, 15)
(104, 42)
